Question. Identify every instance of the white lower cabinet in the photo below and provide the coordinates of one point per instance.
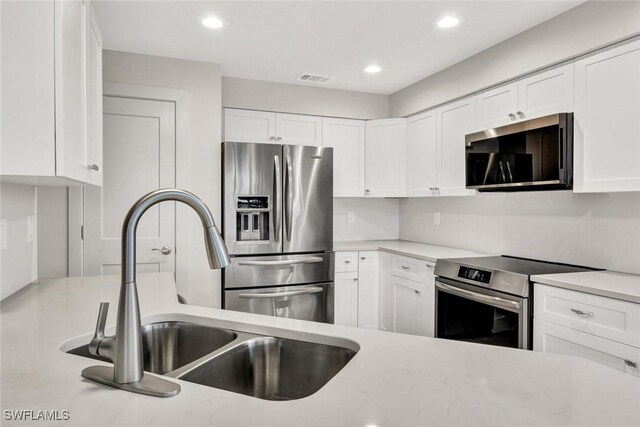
(368, 279)
(345, 307)
(551, 338)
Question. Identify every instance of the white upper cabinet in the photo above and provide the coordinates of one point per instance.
(422, 153)
(497, 107)
(385, 169)
(51, 93)
(538, 95)
(546, 93)
(298, 129)
(268, 127)
(346, 137)
(607, 121)
(454, 122)
(249, 126)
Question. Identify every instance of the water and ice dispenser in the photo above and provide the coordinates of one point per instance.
(252, 218)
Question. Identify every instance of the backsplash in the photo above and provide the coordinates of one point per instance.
(374, 219)
(598, 230)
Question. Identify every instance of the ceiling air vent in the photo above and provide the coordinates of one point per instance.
(314, 78)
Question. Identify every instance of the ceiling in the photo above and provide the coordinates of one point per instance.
(278, 40)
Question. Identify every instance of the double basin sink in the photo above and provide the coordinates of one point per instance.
(262, 366)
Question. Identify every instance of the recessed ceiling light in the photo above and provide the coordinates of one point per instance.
(372, 69)
(212, 22)
(448, 21)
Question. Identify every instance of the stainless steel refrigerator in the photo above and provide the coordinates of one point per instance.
(278, 226)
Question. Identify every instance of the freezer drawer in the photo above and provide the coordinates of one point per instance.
(304, 302)
(278, 270)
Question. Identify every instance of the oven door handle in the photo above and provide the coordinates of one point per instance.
(303, 291)
(475, 296)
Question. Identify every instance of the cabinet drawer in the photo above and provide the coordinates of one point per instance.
(551, 338)
(409, 268)
(605, 317)
(346, 262)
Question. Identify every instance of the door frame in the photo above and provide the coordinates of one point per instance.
(76, 194)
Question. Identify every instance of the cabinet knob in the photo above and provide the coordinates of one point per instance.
(93, 167)
(346, 261)
(520, 114)
(355, 279)
(362, 258)
(272, 138)
(366, 191)
(279, 138)
(416, 291)
(512, 116)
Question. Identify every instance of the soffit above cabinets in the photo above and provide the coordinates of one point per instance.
(277, 41)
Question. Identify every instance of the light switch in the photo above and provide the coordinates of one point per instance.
(351, 217)
(31, 227)
(436, 218)
(3, 234)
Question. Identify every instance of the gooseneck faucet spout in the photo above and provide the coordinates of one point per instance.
(125, 348)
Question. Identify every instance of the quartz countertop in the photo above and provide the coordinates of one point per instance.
(394, 379)
(404, 247)
(610, 284)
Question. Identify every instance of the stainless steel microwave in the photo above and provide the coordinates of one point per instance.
(531, 155)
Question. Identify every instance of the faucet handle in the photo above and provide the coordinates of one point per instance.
(98, 336)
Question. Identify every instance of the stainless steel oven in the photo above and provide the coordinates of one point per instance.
(489, 300)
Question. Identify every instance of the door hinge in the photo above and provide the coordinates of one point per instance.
(82, 232)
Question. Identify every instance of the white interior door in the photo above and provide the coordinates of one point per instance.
(139, 156)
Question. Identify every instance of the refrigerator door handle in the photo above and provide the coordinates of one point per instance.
(276, 201)
(309, 290)
(288, 198)
(308, 260)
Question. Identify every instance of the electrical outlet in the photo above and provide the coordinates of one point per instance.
(436, 218)
(351, 217)
(3, 234)
(31, 227)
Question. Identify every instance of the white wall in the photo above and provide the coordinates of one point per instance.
(19, 261)
(200, 173)
(579, 30)
(599, 230)
(53, 242)
(375, 219)
(291, 98)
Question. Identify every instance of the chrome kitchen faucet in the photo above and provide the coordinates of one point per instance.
(125, 347)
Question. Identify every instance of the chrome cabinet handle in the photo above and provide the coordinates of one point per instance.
(279, 138)
(631, 363)
(346, 261)
(404, 267)
(93, 167)
(362, 258)
(355, 279)
(309, 260)
(276, 202)
(272, 138)
(512, 116)
(583, 313)
(165, 250)
(520, 114)
(303, 291)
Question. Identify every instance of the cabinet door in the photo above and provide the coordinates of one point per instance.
(454, 122)
(93, 80)
(551, 338)
(368, 278)
(549, 92)
(347, 139)
(249, 126)
(408, 302)
(421, 154)
(606, 121)
(297, 129)
(346, 299)
(496, 107)
(71, 153)
(28, 102)
(385, 158)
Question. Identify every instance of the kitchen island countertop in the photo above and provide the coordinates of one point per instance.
(395, 379)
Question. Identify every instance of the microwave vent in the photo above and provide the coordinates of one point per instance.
(314, 78)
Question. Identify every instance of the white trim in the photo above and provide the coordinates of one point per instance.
(179, 97)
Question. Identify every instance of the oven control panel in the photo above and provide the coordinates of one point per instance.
(474, 274)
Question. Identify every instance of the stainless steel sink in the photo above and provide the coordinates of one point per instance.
(272, 368)
(168, 346)
(262, 366)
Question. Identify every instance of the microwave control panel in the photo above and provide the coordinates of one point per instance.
(474, 274)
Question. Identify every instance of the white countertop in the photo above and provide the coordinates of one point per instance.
(404, 247)
(395, 379)
(605, 283)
